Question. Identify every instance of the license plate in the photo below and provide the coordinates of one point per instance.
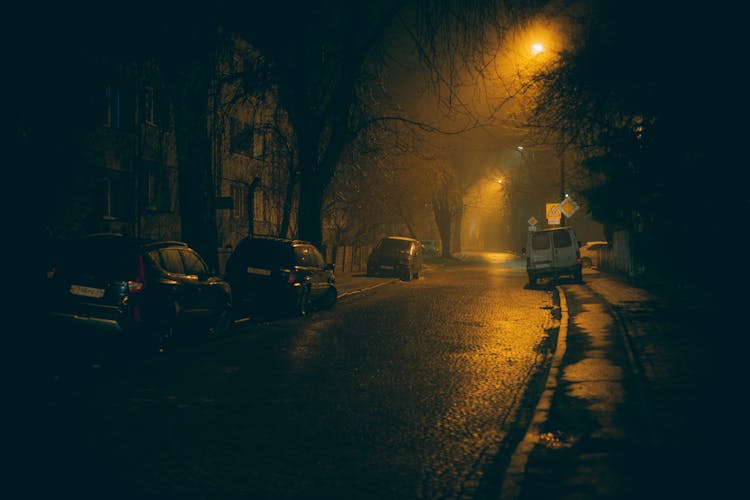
(257, 270)
(539, 265)
(87, 291)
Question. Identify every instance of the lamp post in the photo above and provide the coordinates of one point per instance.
(563, 188)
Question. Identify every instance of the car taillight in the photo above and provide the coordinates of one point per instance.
(291, 278)
(139, 283)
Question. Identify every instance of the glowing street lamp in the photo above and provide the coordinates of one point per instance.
(537, 48)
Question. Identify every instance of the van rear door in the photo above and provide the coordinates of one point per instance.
(565, 252)
(541, 254)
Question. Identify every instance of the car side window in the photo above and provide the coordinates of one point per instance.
(302, 256)
(171, 261)
(193, 264)
(317, 258)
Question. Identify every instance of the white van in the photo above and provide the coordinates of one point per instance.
(551, 253)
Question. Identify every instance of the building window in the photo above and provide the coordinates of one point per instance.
(259, 143)
(259, 205)
(160, 189)
(240, 136)
(149, 113)
(248, 140)
(155, 107)
(239, 197)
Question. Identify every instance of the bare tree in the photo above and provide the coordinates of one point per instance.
(321, 56)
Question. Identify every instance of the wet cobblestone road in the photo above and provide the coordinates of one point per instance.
(410, 390)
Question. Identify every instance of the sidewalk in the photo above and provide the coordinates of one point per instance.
(635, 410)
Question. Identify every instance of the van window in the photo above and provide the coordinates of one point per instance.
(540, 241)
(562, 239)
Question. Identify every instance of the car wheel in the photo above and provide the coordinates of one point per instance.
(222, 323)
(303, 302)
(586, 262)
(329, 298)
(154, 339)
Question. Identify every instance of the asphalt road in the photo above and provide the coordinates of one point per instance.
(407, 390)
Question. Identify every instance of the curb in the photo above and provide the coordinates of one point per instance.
(516, 469)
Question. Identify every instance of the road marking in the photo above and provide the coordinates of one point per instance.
(352, 292)
(517, 467)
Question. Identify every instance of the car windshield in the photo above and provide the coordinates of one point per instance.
(392, 246)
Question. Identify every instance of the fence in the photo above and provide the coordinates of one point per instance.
(348, 259)
(619, 257)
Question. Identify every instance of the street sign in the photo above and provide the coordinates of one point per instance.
(568, 206)
(532, 221)
(553, 213)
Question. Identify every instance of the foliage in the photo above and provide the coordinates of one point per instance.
(630, 95)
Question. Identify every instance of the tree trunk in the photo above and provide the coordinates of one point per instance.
(458, 218)
(441, 209)
(310, 206)
(195, 179)
(291, 184)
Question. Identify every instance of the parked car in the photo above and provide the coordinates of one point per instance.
(551, 253)
(140, 291)
(430, 247)
(591, 252)
(397, 256)
(283, 274)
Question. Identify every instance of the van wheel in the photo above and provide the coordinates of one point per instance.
(578, 276)
(532, 279)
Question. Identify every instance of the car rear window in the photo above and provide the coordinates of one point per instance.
(390, 246)
(103, 260)
(265, 254)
